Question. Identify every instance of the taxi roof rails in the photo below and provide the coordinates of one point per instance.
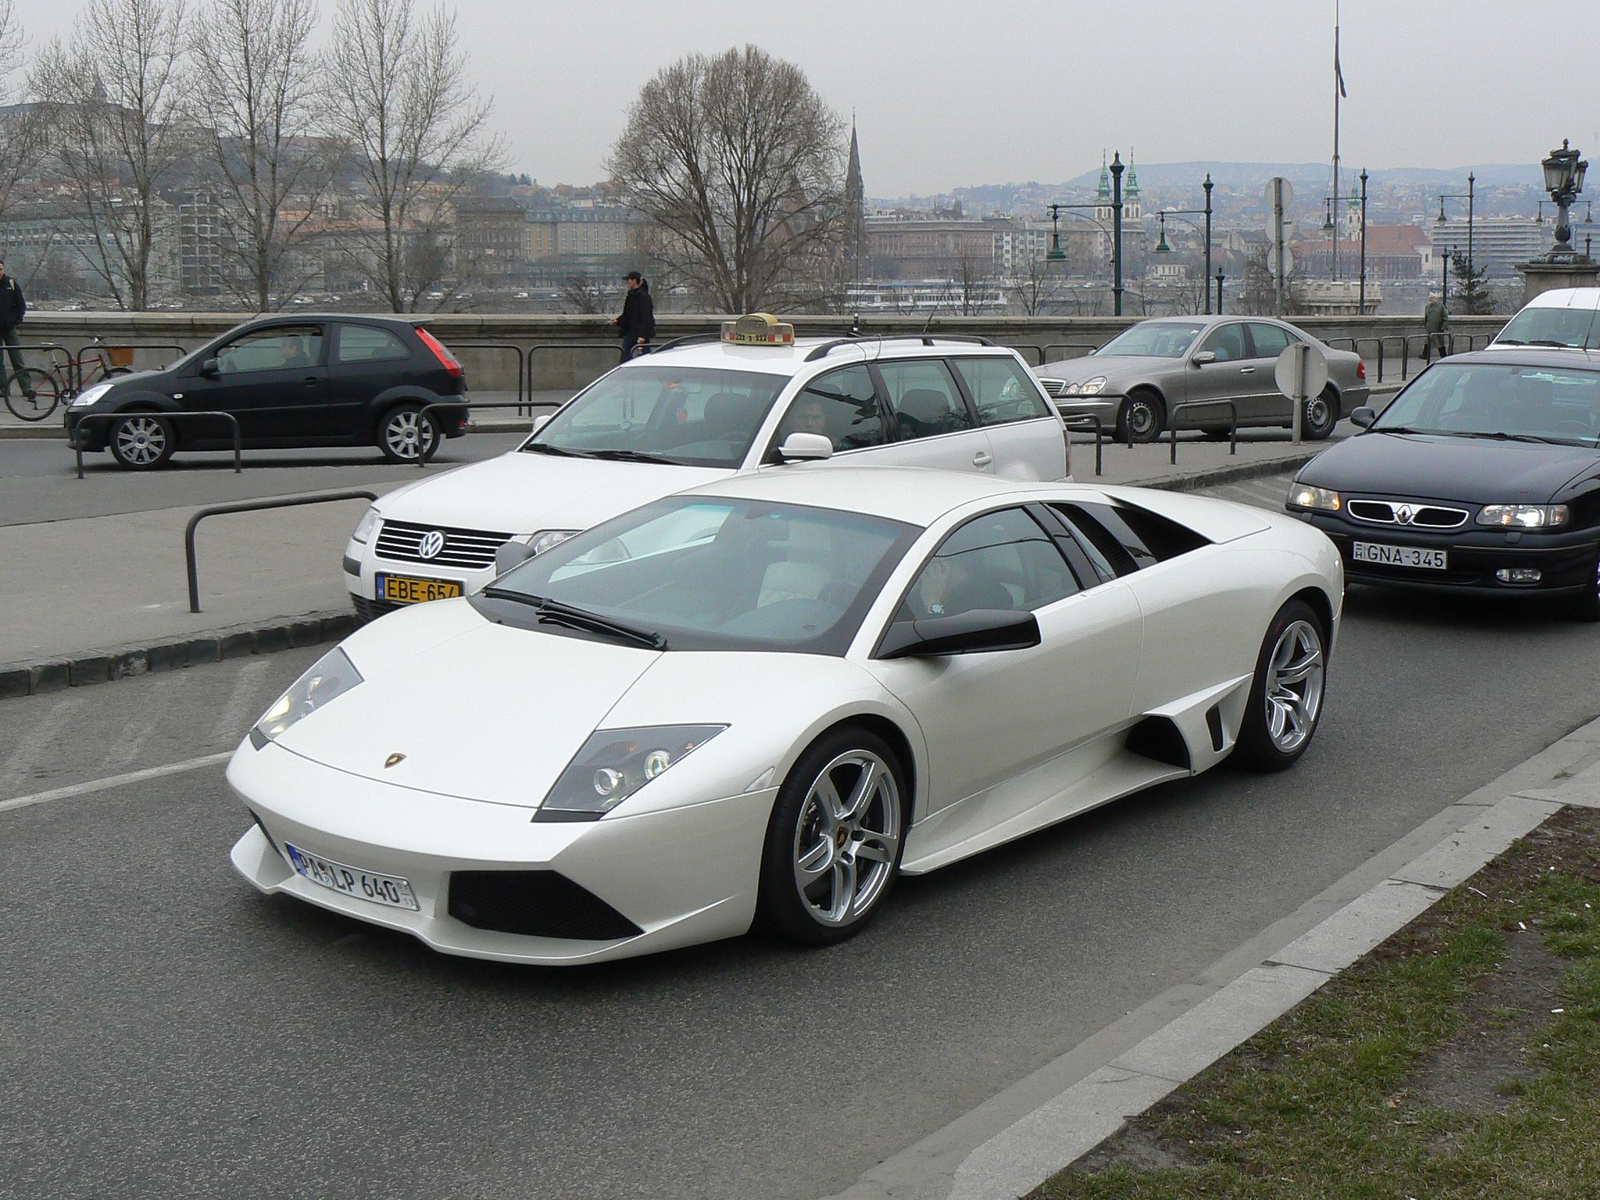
(927, 339)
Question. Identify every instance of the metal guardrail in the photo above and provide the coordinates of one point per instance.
(519, 405)
(503, 348)
(1026, 348)
(1088, 347)
(250, 506)
(238, 444)
(1172, 424)
(105, 346)
(1099, 434)
(544, 347)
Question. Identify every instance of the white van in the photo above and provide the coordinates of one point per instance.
(1562, 317)
(757, 399)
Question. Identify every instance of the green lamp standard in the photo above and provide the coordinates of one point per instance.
(1563, 179)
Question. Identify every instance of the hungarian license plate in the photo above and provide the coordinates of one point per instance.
(352, 881)
(408, 589)
(1399, 556)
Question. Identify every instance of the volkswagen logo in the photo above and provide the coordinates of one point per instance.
(1402, 513)
(433, 541)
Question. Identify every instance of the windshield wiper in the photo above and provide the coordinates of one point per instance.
(1399, 429)
(634, 456)
(559, 451)
(556, 613)
(1501, 436)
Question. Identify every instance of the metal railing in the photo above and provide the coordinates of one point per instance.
(1172, 425)
(76, 440)
(135, 346)
(544, 347)
(250, 506)
(502, 348)
(1086, 347)
(1099, 427)
(422, 459)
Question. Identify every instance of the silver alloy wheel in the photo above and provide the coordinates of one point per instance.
(847, 838)
(141, 440)
(407, 433)
(1294, 686)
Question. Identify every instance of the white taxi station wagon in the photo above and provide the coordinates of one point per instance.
(755, 398)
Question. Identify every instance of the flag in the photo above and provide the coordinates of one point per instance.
(1338, 75)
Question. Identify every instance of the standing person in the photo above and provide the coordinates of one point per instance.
(12, 309)
(638, 317)
(1434, 319)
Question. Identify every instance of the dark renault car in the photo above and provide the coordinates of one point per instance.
(1482, 475)
(289, 382)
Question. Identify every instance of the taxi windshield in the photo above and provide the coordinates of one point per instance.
(1153, 339)
(693, 416)
(1498, 400)
(712, 573)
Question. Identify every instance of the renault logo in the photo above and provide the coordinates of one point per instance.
(396, 757)
(1402, 513)
(432, 542)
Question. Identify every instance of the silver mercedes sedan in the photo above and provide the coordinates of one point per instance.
(1179, 371)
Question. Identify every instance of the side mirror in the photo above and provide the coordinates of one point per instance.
(511, 554)
(1363, 417)
(1204, 357)
(541, 421)
(209, 368)
(974, 632)
(799, 447)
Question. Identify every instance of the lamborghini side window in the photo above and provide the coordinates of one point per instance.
(1130, 538)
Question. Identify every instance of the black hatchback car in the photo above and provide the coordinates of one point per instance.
(289, 382)
(1482, 475)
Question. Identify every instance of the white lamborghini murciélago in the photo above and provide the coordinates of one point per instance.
(757, 702)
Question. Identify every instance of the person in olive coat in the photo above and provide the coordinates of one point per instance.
(1435, 318)
(12, 309)
(637, 321)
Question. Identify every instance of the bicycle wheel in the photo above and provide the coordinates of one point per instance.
(31, 394)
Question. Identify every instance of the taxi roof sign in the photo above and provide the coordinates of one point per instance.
(758, 329)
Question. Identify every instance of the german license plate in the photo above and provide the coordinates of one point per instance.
(408, 589)
(352, 881)
(1399, 556)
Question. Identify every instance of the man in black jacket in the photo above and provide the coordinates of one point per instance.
(638, 317)
(12, 309)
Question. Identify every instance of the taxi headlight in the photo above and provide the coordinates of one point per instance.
(89, 395)
(549, 539)
(1304, 495)
(366, 527)
(1523, 516)
(614, 764)
(1092, 387)
(330, 676)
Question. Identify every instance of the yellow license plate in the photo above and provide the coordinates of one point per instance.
(405, 589)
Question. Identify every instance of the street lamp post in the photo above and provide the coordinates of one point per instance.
(1056, 254)
(1175, 212)
(1563, 179)
(1220, 278)
(1468, 197)
(1116, 233)
(1361, 301)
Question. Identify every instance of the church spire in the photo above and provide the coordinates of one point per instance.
(855, 206)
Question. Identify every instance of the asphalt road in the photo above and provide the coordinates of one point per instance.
(166, 1031)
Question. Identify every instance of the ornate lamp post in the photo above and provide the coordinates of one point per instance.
(1173, 212)
(1563, 179)
(1468, 196)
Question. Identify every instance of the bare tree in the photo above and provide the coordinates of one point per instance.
(1034, 287)
(22, 140)
(255, 94)
(580, 293)
(740, 165)
(418, 135)
(111, 103)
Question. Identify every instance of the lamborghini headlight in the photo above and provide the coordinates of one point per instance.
(1523, 516)
(1303, 495)
(331, 675)
(614, 764)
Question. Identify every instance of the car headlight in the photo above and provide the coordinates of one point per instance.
(1523, 516)
(549, 539)
(614, 764)
(366, 527)
(1092, 387)
(1303, 495)
(330, 676)
(89, 395)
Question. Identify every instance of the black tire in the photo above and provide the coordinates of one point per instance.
(140, 441)
(1320, 416)
(1283, 651)
(1585, 606)
(1215, 433)
(405, 431)
(31, 394)
(1142, 416)
(113, 372)
(803, 838)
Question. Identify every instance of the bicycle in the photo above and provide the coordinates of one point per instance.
(42, 390)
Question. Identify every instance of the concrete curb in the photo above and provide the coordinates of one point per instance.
(36, 676)
(1068, 1107)
(1218, 476)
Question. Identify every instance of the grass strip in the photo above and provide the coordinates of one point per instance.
(1458, 1060)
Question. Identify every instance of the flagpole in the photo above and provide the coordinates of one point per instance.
(1338, 86)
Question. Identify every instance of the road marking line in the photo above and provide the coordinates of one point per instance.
(133, 737)
(116, 781)
(241, 702)
(38, 740)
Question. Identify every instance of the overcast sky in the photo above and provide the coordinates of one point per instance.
(951, 94)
